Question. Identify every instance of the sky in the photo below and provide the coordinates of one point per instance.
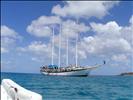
(104, 30)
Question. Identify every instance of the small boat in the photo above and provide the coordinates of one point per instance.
(12, 91)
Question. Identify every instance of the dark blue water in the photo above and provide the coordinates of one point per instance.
(76, 88)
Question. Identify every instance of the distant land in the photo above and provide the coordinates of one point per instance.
(127, 73)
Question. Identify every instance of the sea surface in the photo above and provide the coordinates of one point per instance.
(76, 88)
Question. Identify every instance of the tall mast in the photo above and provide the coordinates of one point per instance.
(67, 51)
(76, 55)
(59, 45)
(52, 63)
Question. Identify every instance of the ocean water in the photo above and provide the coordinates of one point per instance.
(76, 88)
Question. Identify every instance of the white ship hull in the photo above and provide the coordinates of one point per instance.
(71, 73)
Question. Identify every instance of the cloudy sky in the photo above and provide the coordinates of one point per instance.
(104, 30)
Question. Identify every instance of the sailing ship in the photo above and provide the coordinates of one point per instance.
(69, 70)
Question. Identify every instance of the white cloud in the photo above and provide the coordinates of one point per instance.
(7, 41)
(127, 32)
(4, 50)
(120, 58)
(70, 28)
(37, 59)
(101, 45)
(8, 32)
(39, 49)
(109, 28)
(110, 39)
(8, 38)
(41, 26)
(85, 9)
(82, 54)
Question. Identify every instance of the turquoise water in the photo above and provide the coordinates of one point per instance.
(76, 88)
